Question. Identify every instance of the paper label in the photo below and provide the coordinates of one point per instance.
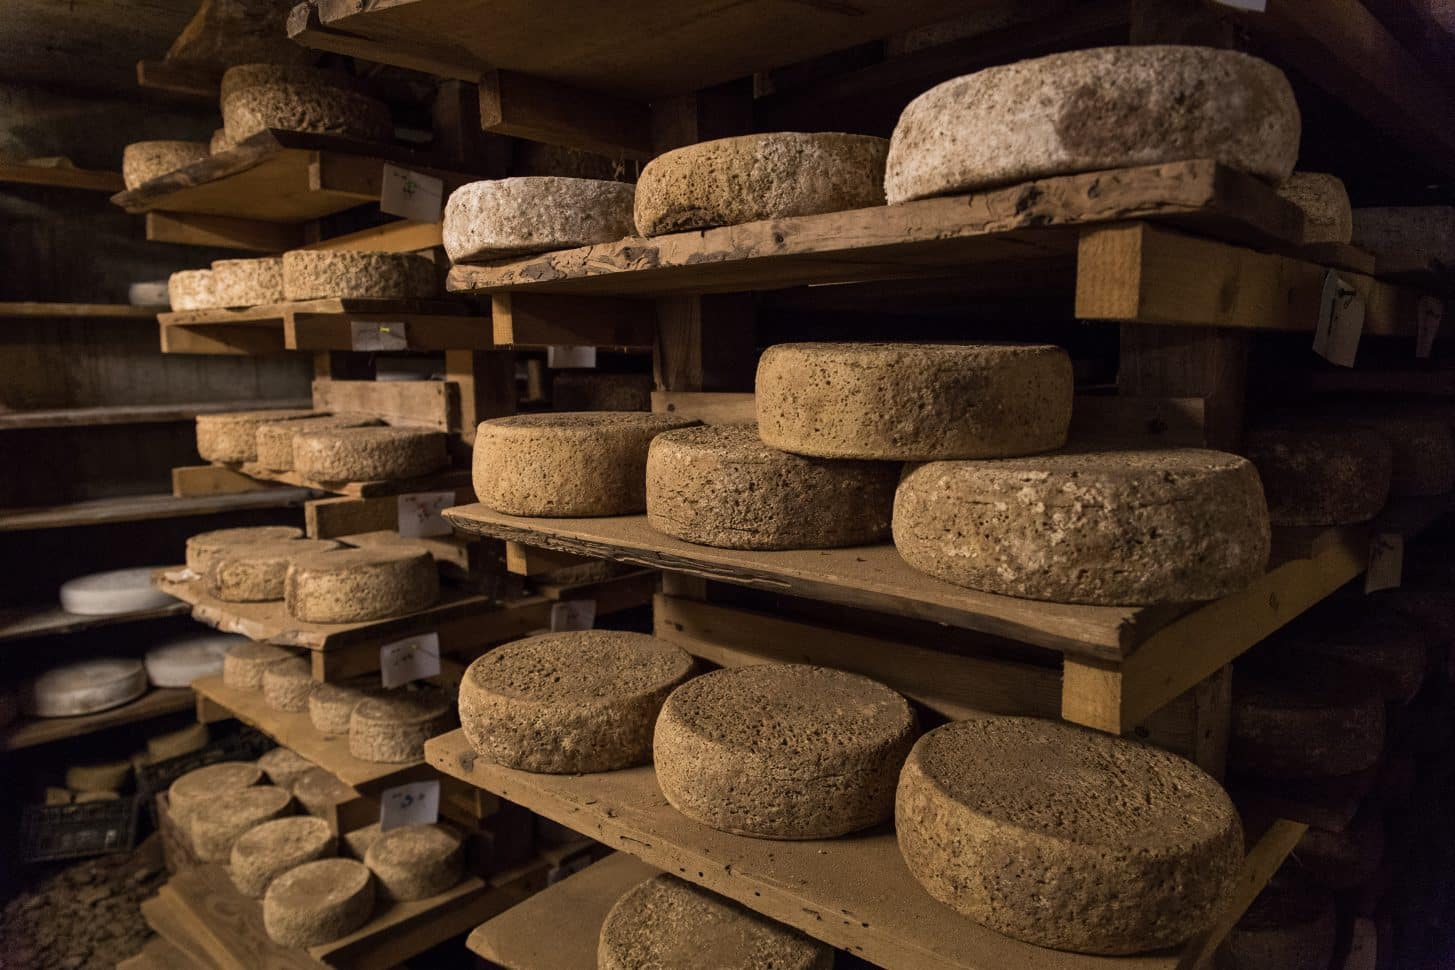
(422, 514)
(570, 356)
(573, 615)
(1430, 311)
(414, 658)
(417, 803)
(367, 335)
(1256, 6)
(1386, 562)
(411, 195)
(1340, 323)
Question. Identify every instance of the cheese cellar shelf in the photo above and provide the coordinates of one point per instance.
(59, 177)
(155, 703)
(130, 414)
(75, 311)
(43, 620)
(141, 508)
(336, 324)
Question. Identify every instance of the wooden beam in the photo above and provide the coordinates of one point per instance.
(544, 320)
(428, 404)
(349, 175)
(487, 386)
(182, 79)
(329, 518)
(235, 340)
(193, 480)
(226, 232)
(420, 331)
(523, 560)
(305, 27)
(538, 109)
(1178, 363)
(402, 236)
(707, 406)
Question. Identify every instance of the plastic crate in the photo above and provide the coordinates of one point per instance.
(50, 832)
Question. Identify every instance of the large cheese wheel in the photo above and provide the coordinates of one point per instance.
(508, 217)
(275, 441)
(368, 454)
(914, 402)
(1407, 239)
(1114, 527)
(1087, 110)
(264, 853)
(219, 142)
(669, 924)
(776, 175)
(321, 109)
(1285, 929)
(1343, 860)
(567, 464)
(1313, 727)
(318, 902)
(570, 702)
(217, 823)
(193, 790)
(245, 663)
(143, 161)
(113, 592)
(1324, 202)
(331, 705)
(356, 842)
(286, 685)
(1321, 476)
(248, 282)
(232, 438)
(86, 687)
(254, 572)
(203, 546)
(192, 289)
(782, 751)
(182, 660)
(1423, 450)
(318, 791)
(241, 76)
(353, 585)
(721, 486)
(1067, 838)
(316, 274)
(416, 861)
(393, 728)
(284, 766)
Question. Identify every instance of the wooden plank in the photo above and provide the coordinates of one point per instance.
(329, 518)
(487, 386)
(75, 311)
(56, 177)
(402, 236)
(530, 561)
(141, 508)
(305, 28)
(247, 340)
(448, 478)
(611, 595)
(543, 320)
(47, 619)
(121, 414)
(43, 730)
(182, 79)
(707, 406)
(537, 109)
(426, 404)
(224, 232)
(415, 331)
(195, 480)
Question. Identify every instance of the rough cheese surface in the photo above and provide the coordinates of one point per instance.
(275, 441)
(284, 766)
(254, 572)
(514, 216)
(368, 454)
(1290, 929)
(248, 282)
(143, 161)
(286, 685)
(1407, 239)
(354, 585)
(195, 788)
(1321, 476)
(1327, 214)
(331, 705)
(320, 109)
(416, 861)
(231, 438)
(318, 902)
(245, 663)
(1314, 727)
(265, 852)
(192, 289)
(217, 823)
(393, 728)
(1423, 451)
(204, 545)
(316, 274)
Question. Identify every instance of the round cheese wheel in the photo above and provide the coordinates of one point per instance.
(1314, 727)
(1407, 238)
(669, 924)
(275, 441)
(241, 76)
(86, 687)
(1343, 860)
(103, 776)
(1067, 838)
(254, 572)
(322, 109)
(331, 705)
(393, 728)
(416, 861)
(318, 902)
(590, 391)
(368, 454)
(1321, 476)
(356, 843)
(232, 437)
(191, 289)
(1088, 110)
(284, 766)
(721, 486)
(1109, 527)
(174, 744)
(243, 667)
(265, 852)
(746, 178)
(1381, 648)
(1327, 215)
(913, 402)
(317, 274)
(216, 824)
(514, 216)
(564, 703)
(353, 585)
(1423, 452)
(248, 282)
(318, 791)
(143, 161)
(203, 546)
(782, 751)
(286, 685)
(194, 789)
(113, 592)
(182, 660)
(567, 464)
(1285, 929)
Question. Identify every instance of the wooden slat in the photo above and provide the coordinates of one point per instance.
(224, 232)
(402, 236)
(182, 79)
(427, 404)
(437, 482)
(709, 407)
(129, 414)
(155, 703)
(140, 508)
(249, 340)
(77, 311)
(419, 332)
(190, 481)
(44, 620)
(536, 109)
(543, 320)
(531, 561)
(18, 173)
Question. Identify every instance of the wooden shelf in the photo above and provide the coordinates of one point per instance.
(131, 413)
(333, 324)
(139, 508)
(18, 173)
(27, 622)
(439, 481)
(854, 892)
(43, 730)
(75, 311)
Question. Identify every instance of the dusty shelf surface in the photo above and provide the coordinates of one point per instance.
(139, 508)
(157, 701)
(48, 619)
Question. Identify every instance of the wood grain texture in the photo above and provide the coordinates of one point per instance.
(140, 508)
(42, 730)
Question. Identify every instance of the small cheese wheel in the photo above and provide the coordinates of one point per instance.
(203, 546)
(241, 76)
(356, 843)
(1343, 860)
(589, 391)
(192, 790)
(232, 438)
(368, 454)
(514, 216)
(318, 792)
(1321, 476)
(331, 705)
(1424, 453)
(1324, 202)
(1109, 528)
(318, 902)
(1088, 110)
(317, 274)
(777, 175)
(254, 572)
(191, 289)
(143, 161)
(113, 592)
(275, 441)
(248, 282)
(567, 464)
(102, 776)
(1407, 239)
(86, 687)
(217, 823)
(721, 486)
(174, 744)
(1067, 838)
(284, 766)
(782, 751)
(182, 660)
(562, 703)
(1285, 929)
(353, 585)
(914, 402)
(392, 729)
(322, 109)
(286, 685)
(243, 667)
(416, 861)
(1316, 727)
(669, 924)
(265, 852)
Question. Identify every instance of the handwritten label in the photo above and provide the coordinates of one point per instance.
(417, 803)
(367, 335)
(1386, 562)
(558, 356)
(1256, 6)
(1428, 316)
(1340, 323)
(411, 659)
(573, 615)
(422, 514)
(411, 195)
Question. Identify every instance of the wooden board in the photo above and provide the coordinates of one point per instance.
(438, 482)
(18, 173)
(75, 311)
(329, 324)
(43, 730)
(131, 413)
(47, 619)
(854, 893)
(139, 508)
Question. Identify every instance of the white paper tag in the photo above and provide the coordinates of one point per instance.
(570, 356)
(1257, 6)
(1429, 313)
(1340, 323)
(410, 659)
(411, 195)
(417, 803)
(367, 335)
(183, 575)
(573, 615)
(422, 514)
(1386, 562)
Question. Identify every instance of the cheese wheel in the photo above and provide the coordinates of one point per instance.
(1423, 451)
(1067, 838)
(174, 744)
(567, 464)
(194, 789)
(317, 274)
(1381, 648)
(1109, 528)
(143, 161)
(1407, 239)
(331, 705)
(1315, 727)
(286, 685)
(254, 572)
(243, 667)
(589, 391)
(265, 852)
(114, 592)
(1321, 476)
(356, 843)
(86, 687)
(275, 441)
(232, 437)
(318, 791)
(368, 454)
(218, 822)
(392, 729)
(416, 861)
(182, 660)
(318, 902)
(353, 585)
(219, 142)
(1285, 929)
(57, 796)
(563, 703)
(241, 76)
(284, 766)
(1343, 860)
(1324, 202)
(914, 402)
(103, 776)
(248, 282)
(514, 216)
(1088, 110)
(321, 109)
(747, 178)
(191, 289)
(203, 546)
(721, 486)
(782, 751)
(669, 924)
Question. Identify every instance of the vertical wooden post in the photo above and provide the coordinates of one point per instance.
(1205, 362)
(487, 386)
